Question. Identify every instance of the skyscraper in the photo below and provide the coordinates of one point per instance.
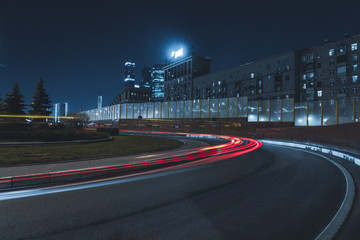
(146, 77)
(129, 73)
(157, 82)
(99, 101)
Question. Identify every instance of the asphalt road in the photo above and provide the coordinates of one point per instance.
(270, 193)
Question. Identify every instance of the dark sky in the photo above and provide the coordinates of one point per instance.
(79, 47)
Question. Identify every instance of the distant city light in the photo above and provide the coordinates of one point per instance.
(136, 86)
(129, 64)
(129, 79)
(177, 53)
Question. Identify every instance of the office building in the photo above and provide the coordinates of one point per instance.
(129, 68)
(135, 94)
(157, 82)
(180, 72)
(146, 77)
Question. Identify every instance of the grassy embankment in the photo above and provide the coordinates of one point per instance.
(120, 145)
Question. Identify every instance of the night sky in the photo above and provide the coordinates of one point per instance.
(79, 47)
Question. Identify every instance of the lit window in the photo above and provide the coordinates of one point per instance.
(319, 93)
(342, 50)
(304, 77)
(219, 83)
(213, 84)
(269, 77)
(341, 69)
(331, 52)
(287, 67)
(355, 78)
(355, 67)
(259, 83)
(252, 75)
(332, 101)
(353, 46)
(304, 86)
(355, 57)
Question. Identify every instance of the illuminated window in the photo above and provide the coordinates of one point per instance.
(304, 86)
(252, 75)
(355, 78)
(287, 67)
(331, 52)
(353, 46)
(304, 77)
(355, 67)
(319, 93)
(355, 57)
(332, 101)
(341, 69)
(219, 83)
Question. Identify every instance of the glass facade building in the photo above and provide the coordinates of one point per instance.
(157, 82)
(129, 73)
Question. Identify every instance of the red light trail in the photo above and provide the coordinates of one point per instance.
(181, 158)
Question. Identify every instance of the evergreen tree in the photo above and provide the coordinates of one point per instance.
(41, 102)
(14, 101)
(1, 105)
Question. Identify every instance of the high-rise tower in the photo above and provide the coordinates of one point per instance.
(129, 73)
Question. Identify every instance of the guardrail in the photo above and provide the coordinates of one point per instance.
(317, 149)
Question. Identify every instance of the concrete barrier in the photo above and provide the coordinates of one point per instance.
(317, 148)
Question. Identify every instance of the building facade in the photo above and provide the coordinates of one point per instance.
(157, 82)
(129, 73)
(179, 75)
(275, 77)
(146, 77)
(330, 71)
(135, 95)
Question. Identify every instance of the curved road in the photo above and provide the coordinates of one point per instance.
(270, 193)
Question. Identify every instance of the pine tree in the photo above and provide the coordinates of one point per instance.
(41, 102)
(1, 105)
(14, 101)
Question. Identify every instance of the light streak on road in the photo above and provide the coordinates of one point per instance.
(173, 160)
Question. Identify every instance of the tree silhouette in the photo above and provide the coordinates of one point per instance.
(41, 103)
(14, 102)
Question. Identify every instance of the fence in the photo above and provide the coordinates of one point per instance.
(317, 113)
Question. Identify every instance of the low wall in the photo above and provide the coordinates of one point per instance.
(233, 126)
(344, 135)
